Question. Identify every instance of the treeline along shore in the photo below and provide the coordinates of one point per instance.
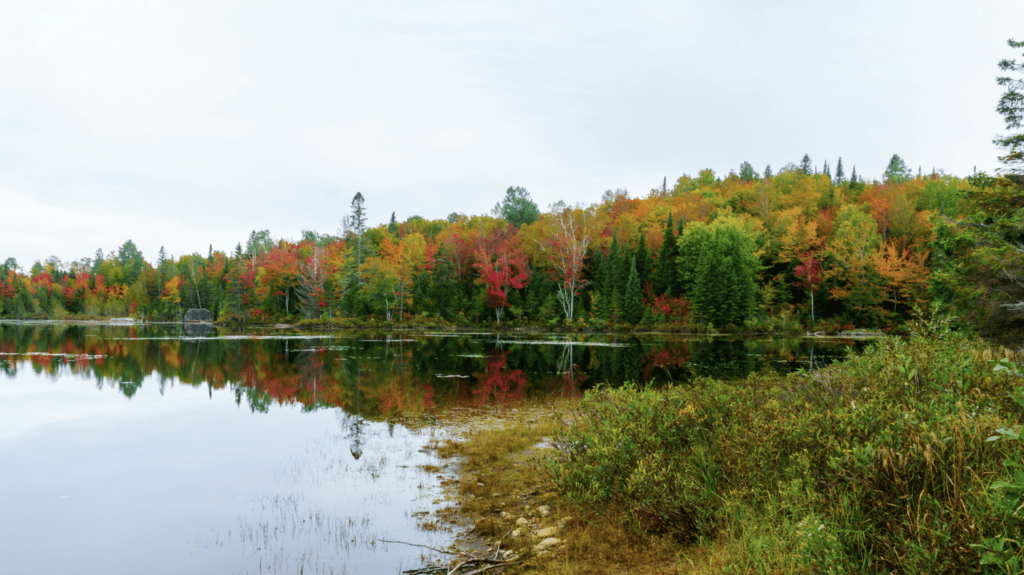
(802, 248)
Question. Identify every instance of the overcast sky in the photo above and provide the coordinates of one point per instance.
(184, 124)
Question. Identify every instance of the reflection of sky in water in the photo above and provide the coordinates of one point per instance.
(188, 483)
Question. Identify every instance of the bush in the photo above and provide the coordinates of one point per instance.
(878, 464)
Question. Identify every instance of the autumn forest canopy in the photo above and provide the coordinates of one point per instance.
(801, 246)
(807, 245)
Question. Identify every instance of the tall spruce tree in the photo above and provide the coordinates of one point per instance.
(1011, 108)
(614, 261)
(805, 165)
(897, 171)
(643, 261)
(747, 172)
(633, 304)
(664, 276)
(719, 264)
(839, 172)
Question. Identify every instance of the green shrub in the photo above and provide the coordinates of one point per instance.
(878, 464)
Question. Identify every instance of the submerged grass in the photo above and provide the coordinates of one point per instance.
(904, 459)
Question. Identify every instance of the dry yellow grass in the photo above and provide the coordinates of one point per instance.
(501, 478)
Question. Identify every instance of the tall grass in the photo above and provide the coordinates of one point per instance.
(905, 458)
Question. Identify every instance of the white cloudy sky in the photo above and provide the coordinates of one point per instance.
(189, 123)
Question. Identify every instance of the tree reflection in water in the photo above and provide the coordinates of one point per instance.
(376, 377)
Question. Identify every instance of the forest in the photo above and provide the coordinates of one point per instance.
(802, 248)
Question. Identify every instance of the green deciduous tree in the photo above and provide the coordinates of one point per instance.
(131, 261)
(517, 208)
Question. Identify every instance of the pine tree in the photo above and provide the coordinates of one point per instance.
(897, 171)
(676, 287)
(665, 274)
(1011, 108)
(805, 165)
(826, 171)
(633, 305)
(393, 225)
(839, 172)
(599, 295)
(356, 223)
(614, 263)
(643, 261)
(853, 176)
(747, 172)
(768, 171)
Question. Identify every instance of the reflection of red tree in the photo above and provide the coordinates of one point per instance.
(574, 380)
(672, 355)
(428, 396)
(505, 386)
(391, 401)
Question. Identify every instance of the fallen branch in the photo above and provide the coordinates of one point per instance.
(481, 564)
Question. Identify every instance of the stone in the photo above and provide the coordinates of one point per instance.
(522, 522)
(547, 532)
(516, 533)
(547, 544)
(544, 510)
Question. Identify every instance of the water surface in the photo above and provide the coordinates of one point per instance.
(161, 450)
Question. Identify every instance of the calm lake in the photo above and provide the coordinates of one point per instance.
(161, 449)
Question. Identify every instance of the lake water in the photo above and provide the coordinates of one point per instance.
(157, 449)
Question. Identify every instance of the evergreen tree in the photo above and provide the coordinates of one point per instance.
(355, 223)
(614, 264)
(897, 171)
(622, 270)
(805, 165)
(720, 267)
(633, 305)
(768, 171)
(599, 293)
(826, 171)
(393, 225)
(853, 176)
(643, 261)
(747, 172)
(161, 259)
(839, 172)
(664, 276)
(1011, 108)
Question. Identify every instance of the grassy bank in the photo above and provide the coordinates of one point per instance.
(904, 459)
